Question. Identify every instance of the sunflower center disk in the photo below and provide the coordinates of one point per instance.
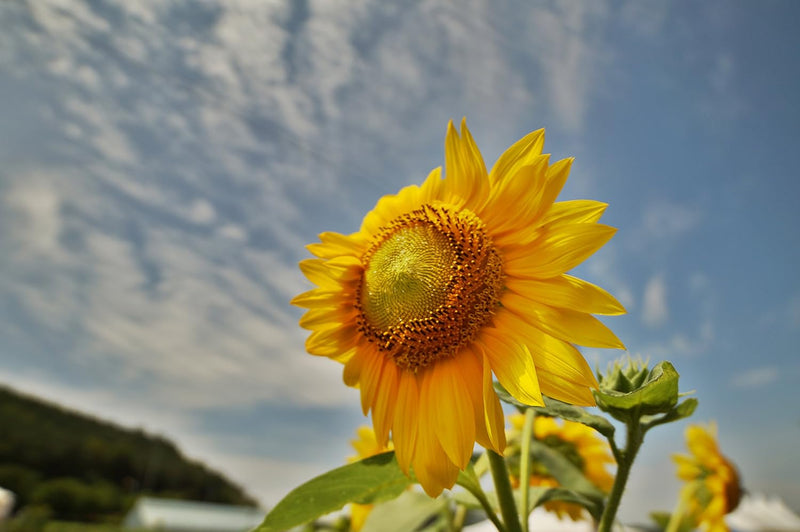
(432, 279)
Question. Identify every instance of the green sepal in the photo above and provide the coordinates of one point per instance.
(682, 410)
(372, 480)
(655, 391)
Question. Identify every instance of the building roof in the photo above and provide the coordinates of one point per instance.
(185, 516)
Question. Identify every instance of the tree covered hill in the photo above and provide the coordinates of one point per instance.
(83, 468)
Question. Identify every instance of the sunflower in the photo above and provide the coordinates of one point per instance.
(451, 282)
(366, 445)
(712, 486)
(580, 444)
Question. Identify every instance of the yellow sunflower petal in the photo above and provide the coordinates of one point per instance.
(385, 402)
(556, 386)
(432, 187)
(557, 175)
(558, 251)
(574, 212)
(336, 244)
(568, 325)
(516, 201)
(406, 419)
(452, 407)
(323, 318)
(512, 363)
(519, 154)
(332, 342)
(567, 292)
(464, 169)
(370, 380)
(550, 353)
(318, 298)
(389, 208)
(433, 468)
(489, 419)
(352, 369)
(330, 274)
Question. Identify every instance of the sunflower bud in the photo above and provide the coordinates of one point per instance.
(632, 390)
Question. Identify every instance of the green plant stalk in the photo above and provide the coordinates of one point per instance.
(525, 466)
(505, 495)
(459, 517)
(477, 492)
(676, 519)
(634, 438)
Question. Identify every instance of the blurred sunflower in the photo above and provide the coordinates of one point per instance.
(581, 445)
(455, 280)
(712, 486)
(366, 445)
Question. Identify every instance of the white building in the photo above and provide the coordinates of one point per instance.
(170, 515)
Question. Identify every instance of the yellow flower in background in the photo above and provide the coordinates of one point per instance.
(455, 280)
(366, 445)
(712, 486)
(580, 444)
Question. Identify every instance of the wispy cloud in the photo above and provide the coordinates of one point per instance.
(755, 378)
(655, 311)
(668, 220)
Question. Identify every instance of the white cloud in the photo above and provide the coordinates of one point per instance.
(755, 378)
(570, 57)
(234, 232)
(202, 212)
(35, 221)
(667, 220)
(655, 311)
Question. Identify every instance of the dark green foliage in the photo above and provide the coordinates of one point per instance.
(83, 468)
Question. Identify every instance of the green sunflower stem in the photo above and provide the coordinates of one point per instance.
(525, 466)
(505, 495)
(634, 439)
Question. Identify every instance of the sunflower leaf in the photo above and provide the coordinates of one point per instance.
(409, 511)
(506, 397)
(555, 408)
(565, 472)
(368, 481)
(541, 494)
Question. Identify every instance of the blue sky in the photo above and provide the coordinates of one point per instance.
(164, 163)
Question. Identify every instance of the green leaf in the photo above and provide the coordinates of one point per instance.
(409, 511)
(657, 394)
(371, 480)
(555, 408)
(565, 472)
(540, 495)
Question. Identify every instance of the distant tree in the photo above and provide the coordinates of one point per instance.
(84, 468)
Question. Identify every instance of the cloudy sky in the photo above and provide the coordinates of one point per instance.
(164, 163)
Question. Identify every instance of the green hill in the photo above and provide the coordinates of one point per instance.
(85, 469)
